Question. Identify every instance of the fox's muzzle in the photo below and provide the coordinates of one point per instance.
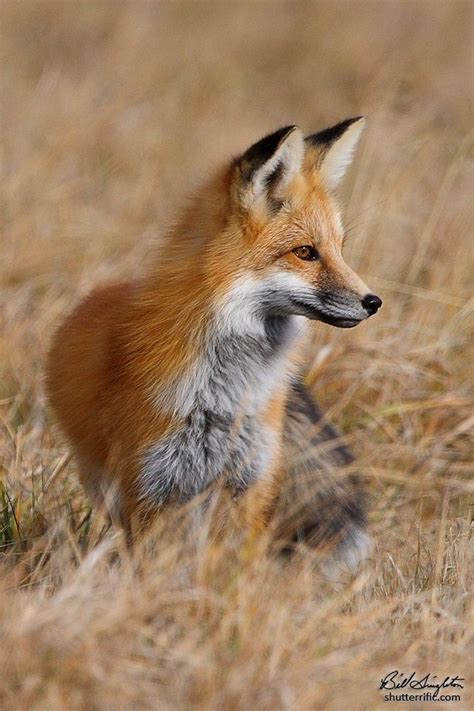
(343, 309)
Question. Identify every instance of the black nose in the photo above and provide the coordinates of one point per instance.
(371, 303)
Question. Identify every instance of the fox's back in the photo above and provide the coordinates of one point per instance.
(83, 369)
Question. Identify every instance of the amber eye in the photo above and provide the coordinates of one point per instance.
(306, 252)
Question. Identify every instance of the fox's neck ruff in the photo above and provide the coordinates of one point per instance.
(230, 355)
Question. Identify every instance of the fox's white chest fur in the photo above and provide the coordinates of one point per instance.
(219, 403)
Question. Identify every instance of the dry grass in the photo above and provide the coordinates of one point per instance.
(110, 111)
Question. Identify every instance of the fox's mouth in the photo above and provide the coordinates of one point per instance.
(341, 322)
(316, 314)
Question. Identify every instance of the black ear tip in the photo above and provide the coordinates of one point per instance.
(287, 129)
(264, 148)
(278, 136)
(274, 139)
(333, 133)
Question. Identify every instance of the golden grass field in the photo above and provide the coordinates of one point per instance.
(112, 112)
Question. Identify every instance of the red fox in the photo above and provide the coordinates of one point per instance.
(193, 372)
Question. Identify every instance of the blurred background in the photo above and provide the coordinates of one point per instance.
(113, 111)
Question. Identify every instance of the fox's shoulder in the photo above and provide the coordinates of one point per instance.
(104, 300)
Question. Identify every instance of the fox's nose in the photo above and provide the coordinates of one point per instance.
(371, 303)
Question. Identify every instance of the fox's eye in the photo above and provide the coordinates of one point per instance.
(306, 252)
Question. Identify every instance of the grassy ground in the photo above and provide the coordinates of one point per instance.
(110, 112)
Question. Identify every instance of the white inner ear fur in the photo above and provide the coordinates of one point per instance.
(289, 155)
(339, 156)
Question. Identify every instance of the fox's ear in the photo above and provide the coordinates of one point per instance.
(265, 169)
(332, 150)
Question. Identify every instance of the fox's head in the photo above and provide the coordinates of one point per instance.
(280, 251)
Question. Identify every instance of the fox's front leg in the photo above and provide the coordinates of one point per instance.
(261, 500)
(262, 496)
